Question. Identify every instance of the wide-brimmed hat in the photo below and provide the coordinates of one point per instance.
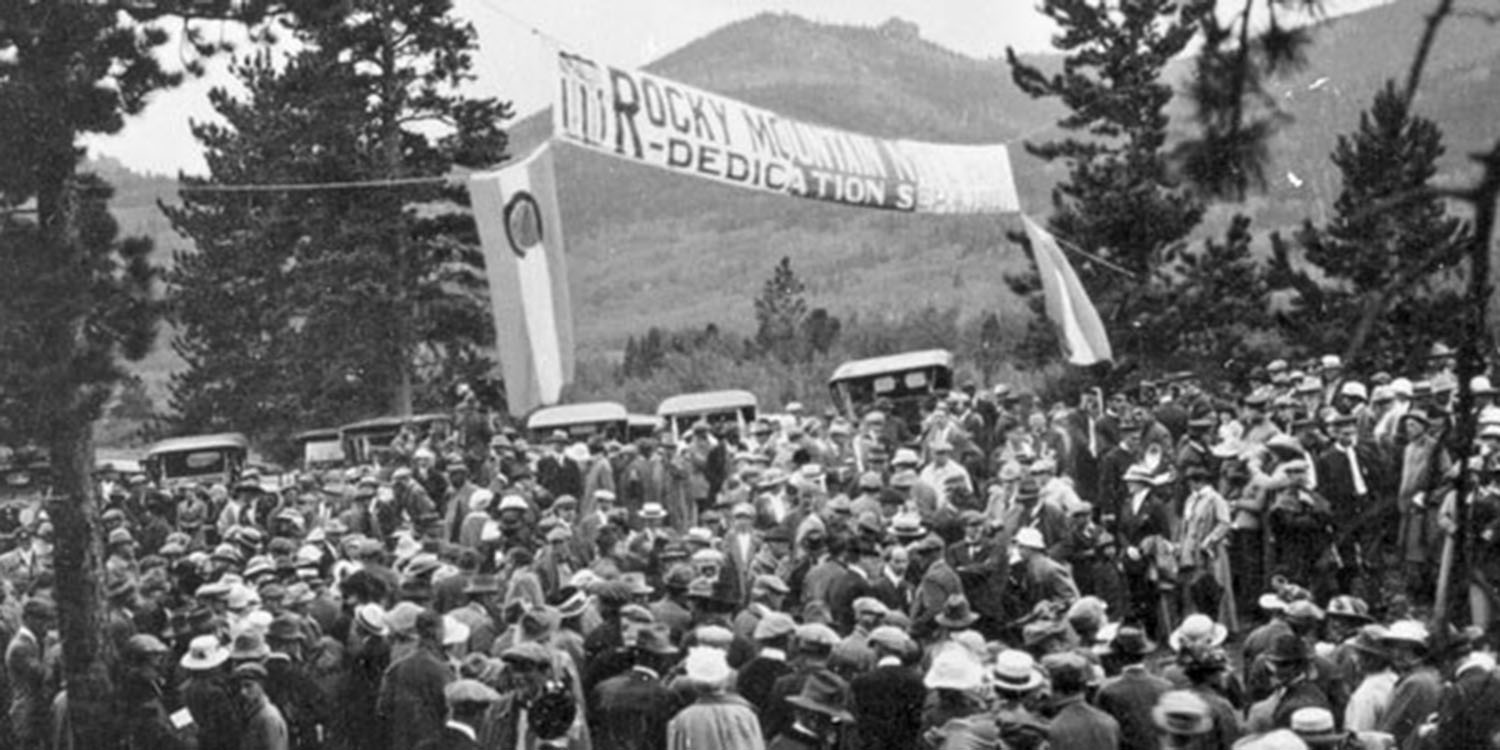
(1197, 630)
(1407, 631)
(1182, 713)
(371, 619)
(655, 639)
(1015, 671)
(1349, 608)
(1316, 727)
(1139, 473)
(907, 525)
(249, 645)
(823, 692)
(955, 668)
(653, 511)
(956, 613)
(204, 652)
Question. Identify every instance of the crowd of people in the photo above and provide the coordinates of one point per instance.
(1175, 565)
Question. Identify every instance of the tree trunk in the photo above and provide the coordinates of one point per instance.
(79, 564)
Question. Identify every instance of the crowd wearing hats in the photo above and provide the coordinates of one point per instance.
(980, 570)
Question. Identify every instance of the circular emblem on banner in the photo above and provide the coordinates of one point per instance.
(523, 223)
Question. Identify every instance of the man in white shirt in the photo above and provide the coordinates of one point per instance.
(946, 476)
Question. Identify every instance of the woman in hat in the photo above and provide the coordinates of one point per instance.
(1205, 669)
(1143, 524)
(1202, 549)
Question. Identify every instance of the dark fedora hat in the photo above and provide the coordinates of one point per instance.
(824, 693)
(1289, 648)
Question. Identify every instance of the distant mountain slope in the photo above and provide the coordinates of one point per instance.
(649, 248)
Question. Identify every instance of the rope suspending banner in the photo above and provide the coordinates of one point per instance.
(309, 186)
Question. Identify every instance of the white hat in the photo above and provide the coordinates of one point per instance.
(1331, 361)
(455, 632)
(1480, 385)
(1401, 388)
(707, 665)
(905, 457)
(1030, 538)
(1016, 671)
(480, 500)
(204, 652)
(955, 668)
(1199, 630)
(513, 502)
(1355, 389)
(1410, 631)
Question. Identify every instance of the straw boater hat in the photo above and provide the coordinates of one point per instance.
(1315, 726)
(1182, 713)
(1015, 671)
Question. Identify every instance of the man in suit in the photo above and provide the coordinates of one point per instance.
(1130, 696)
(22, 565)
(887, 701)
(741, 547)
(773, 635)
(939, 581)
(30, 694)
(411, 700)
(1042, 579)
(1028, 510)
(1077, 725)
(556, 472)
(635, 706)
(1349, 478)
(468, 701)
(891, 586)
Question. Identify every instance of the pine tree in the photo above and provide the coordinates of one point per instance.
(1211, 311)
(74, 298)
(1391, 253)
(780, 311)
(1120, 201)
(323, 306)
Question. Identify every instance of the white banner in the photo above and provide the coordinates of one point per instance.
(652, 120)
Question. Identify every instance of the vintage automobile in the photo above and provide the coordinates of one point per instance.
(320, 449)
(907, 380)
(364, 441)
(580, 421)
(717, 408)
(215, 459)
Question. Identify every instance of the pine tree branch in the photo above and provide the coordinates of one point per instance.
(1430, 28)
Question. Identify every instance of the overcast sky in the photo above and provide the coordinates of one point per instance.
(512, 61)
